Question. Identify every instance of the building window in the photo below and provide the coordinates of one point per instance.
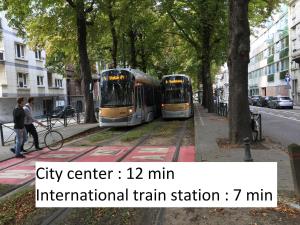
(38, 54)
(284, 43)
(271, 50)
(49, 77)
(22, 80)
(40, 80)
(58, 83)
(284, 65)
(1, 55)
(20, 51)
(271, 69)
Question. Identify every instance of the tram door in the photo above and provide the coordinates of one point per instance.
(139, 96)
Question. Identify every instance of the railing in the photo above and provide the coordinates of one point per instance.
(221, 109)
(7, 133)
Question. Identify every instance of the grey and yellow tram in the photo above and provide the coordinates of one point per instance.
(177, 96)
(127, 97)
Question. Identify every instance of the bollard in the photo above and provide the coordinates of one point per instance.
(65, 120)
(294, 153)
(248, 157)
(1, 133)
(260, 127)
(78, 117)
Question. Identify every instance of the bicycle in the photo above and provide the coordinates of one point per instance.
(52, 139)
(255, 126)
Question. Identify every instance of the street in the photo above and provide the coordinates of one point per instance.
(281, 125)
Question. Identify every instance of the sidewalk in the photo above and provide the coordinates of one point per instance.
(67, 132)
(210, 129)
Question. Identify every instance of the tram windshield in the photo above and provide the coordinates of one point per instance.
(116, 88)
(175, 90)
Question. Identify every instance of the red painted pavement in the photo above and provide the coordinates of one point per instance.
(187, 154)
(151, 154)
(14, 161)
(104, 154)
(24, 171)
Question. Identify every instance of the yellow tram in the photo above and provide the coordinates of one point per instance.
(177, 96)
(127, 97)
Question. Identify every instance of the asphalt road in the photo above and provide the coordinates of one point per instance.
(281, 125)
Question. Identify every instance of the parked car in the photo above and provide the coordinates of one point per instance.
(264, 101)
(249, 100)
(281, 102)
(255, 99)
(61, 111)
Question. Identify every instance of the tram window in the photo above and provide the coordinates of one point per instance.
(116, 92)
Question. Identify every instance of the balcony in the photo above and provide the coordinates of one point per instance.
(296, 55)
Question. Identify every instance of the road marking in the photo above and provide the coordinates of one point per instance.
(281, 116)
(150, 157)
(154, 150)
(16, 174)
(57, 156)
(106, 152)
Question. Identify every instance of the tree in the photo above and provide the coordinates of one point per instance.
(201, 23)
(72, 15)
(239, 48)
(238, 59)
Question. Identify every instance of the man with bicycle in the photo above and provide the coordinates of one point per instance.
(21, 135)
(29, 120)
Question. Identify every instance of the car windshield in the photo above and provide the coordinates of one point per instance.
(116, 88)
(58, 108)
(285, 98)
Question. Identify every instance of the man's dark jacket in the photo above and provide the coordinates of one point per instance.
(19, 116)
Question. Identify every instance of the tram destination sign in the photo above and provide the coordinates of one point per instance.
(114, 77)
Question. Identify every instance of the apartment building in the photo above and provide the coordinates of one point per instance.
(294, 28)
(23, 73)
(269, 57)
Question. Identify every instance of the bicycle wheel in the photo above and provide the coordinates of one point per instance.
(53, 140)
(28, 144)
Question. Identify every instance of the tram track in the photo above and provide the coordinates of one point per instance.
(27, 183)
(61, 213)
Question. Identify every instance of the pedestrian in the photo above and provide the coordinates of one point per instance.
(29, 120)
(21, 135)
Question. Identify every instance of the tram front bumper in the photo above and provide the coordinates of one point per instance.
(176, 114)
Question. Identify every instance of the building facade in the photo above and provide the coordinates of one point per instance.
(23, 74)
(269, 57)
(294, 28)
(222, 84)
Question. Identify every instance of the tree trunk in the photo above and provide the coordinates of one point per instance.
(239, 34)
(132, 39)
(85, 68)
(204, 86)
(143, 54)
(206, 67)
(114, 50)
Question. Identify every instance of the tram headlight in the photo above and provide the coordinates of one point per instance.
(100, 111)
(162, 105)
(130, 110)
(187, 106)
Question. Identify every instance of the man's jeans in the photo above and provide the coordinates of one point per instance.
(21, 138)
